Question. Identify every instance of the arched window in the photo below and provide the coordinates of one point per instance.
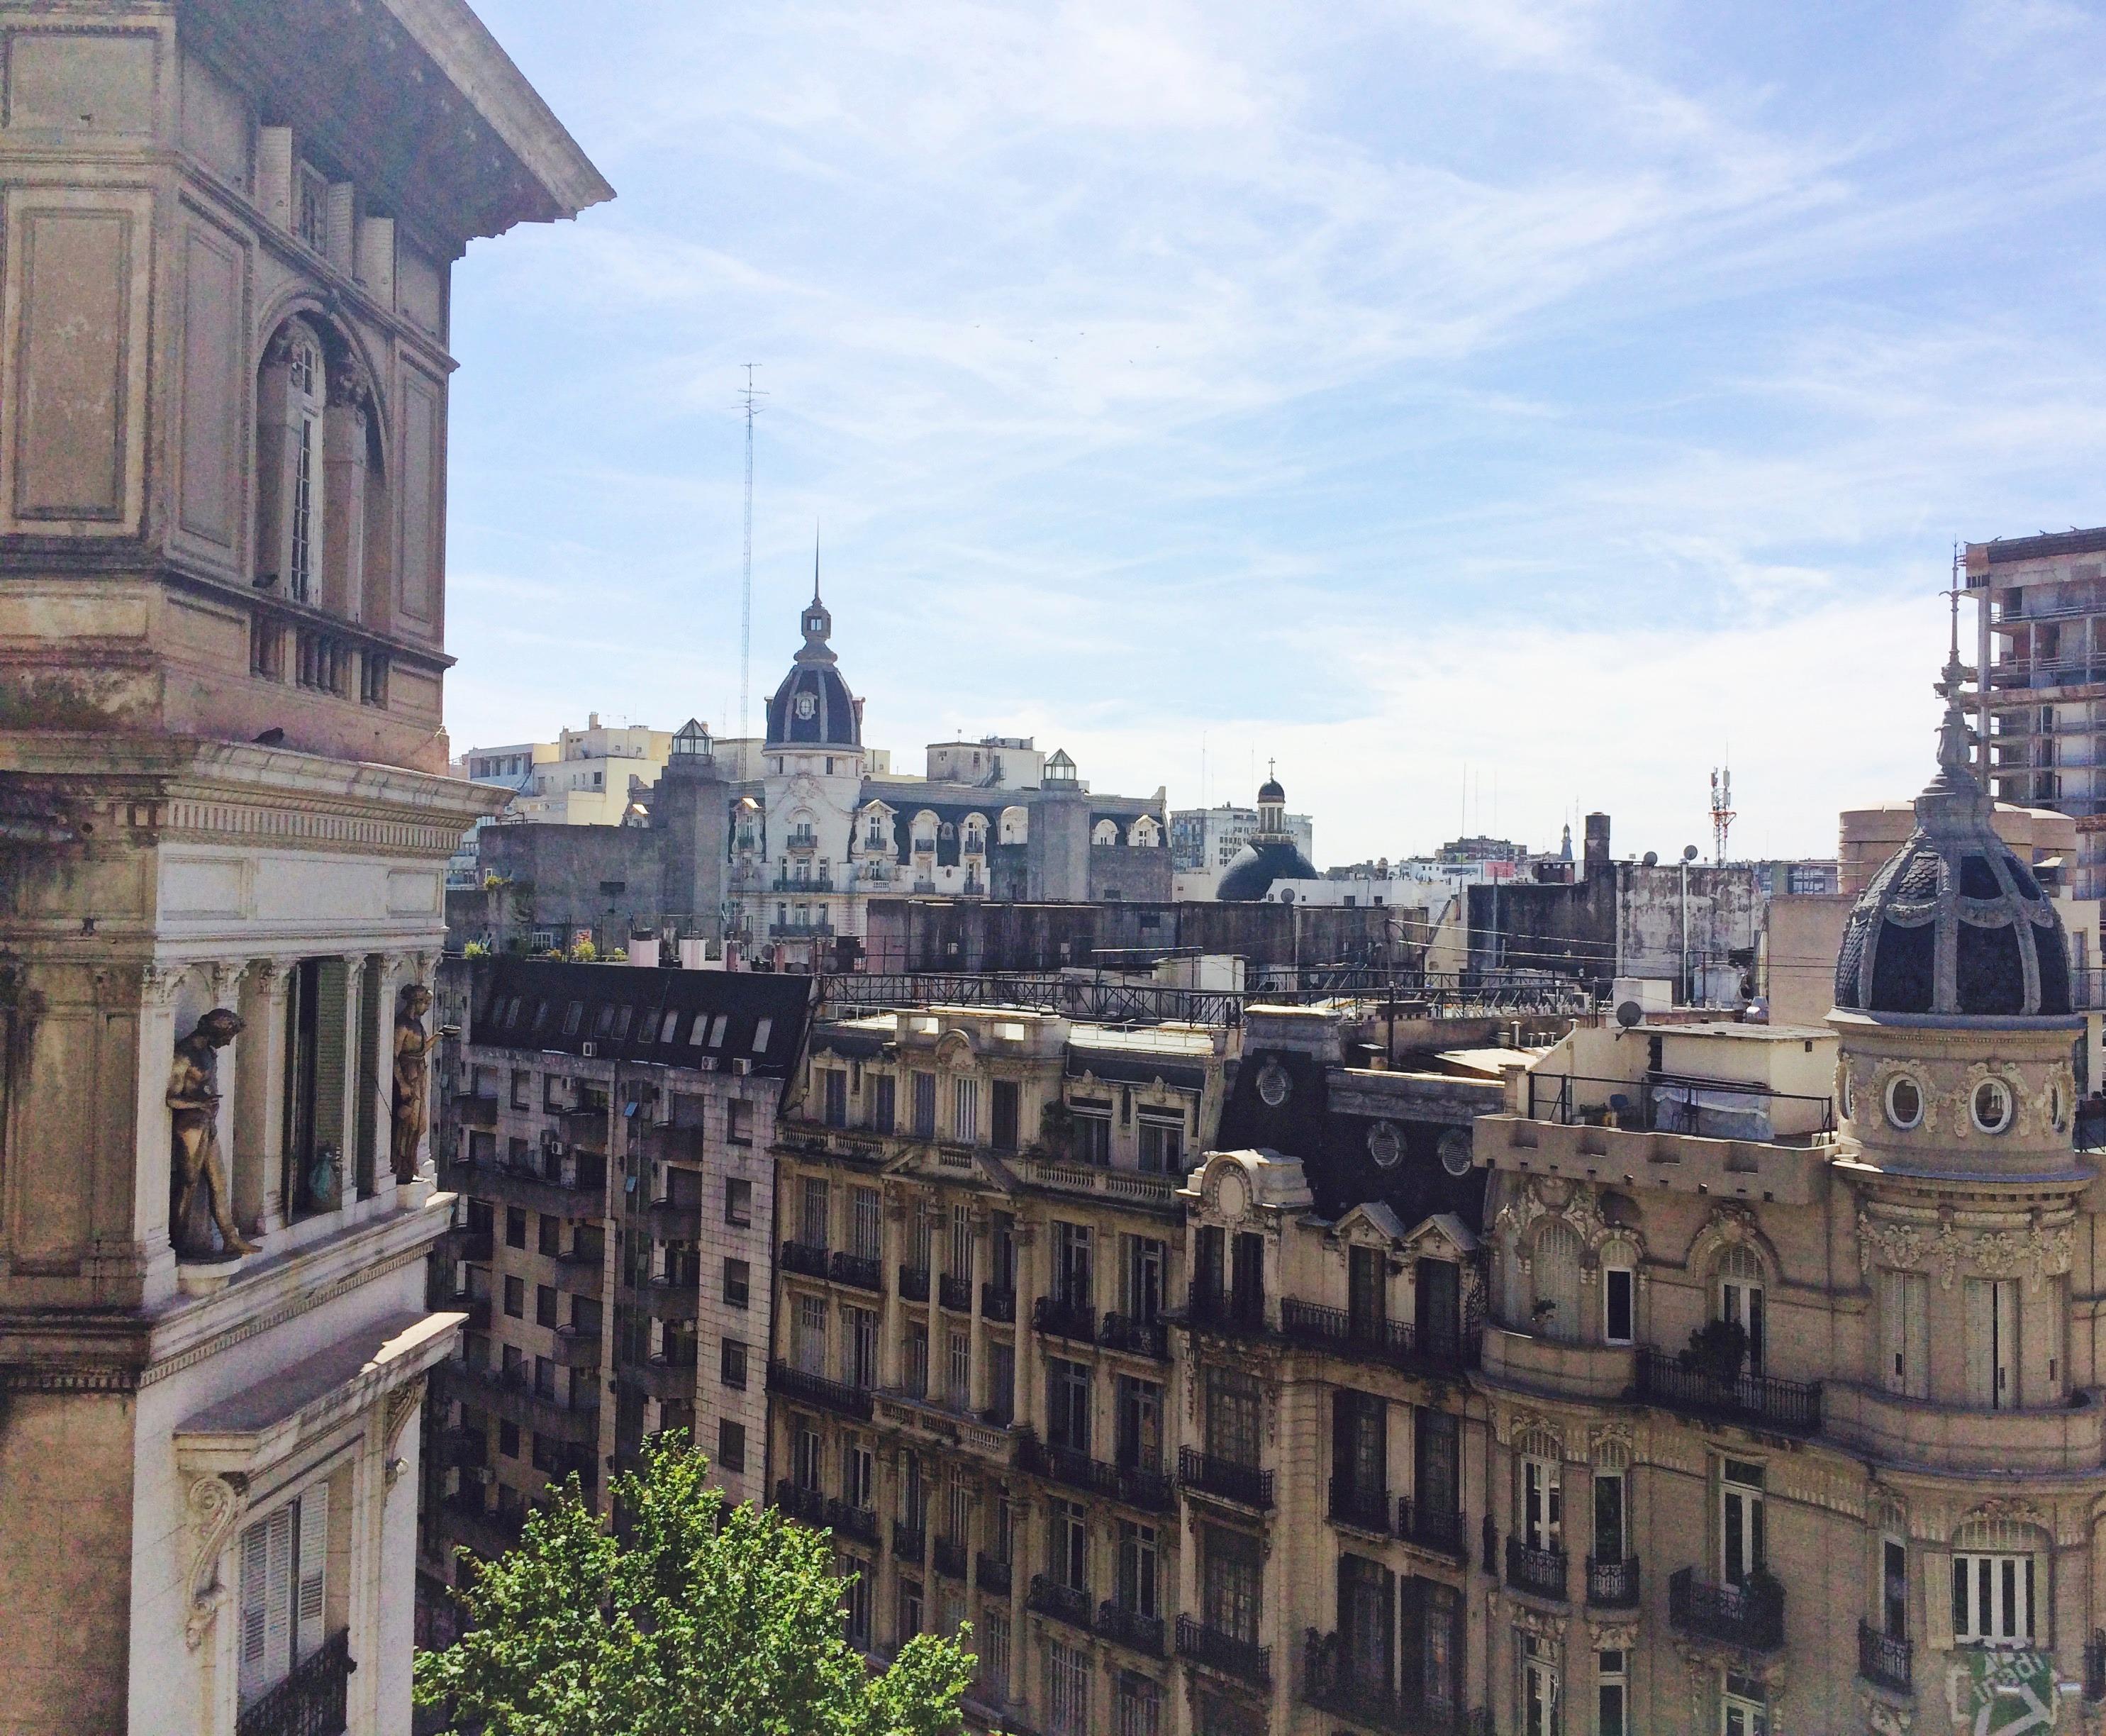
(1557, 1308)
(1106, 831)
(1015, 825)
(976, 834)
(309, 381)
(1143, 834)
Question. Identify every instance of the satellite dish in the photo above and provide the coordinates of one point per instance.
(1630, 1014)
(1652, 859)
(1689, 853)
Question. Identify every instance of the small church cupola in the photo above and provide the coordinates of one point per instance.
(691, 741)
(1271, 806)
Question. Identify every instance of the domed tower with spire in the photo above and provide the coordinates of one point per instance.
(1271, 856)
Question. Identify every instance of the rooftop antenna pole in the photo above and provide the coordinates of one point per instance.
(1722, 809)
(751, 398)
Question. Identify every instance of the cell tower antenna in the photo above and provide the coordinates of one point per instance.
(1722, 809)
(750, 400)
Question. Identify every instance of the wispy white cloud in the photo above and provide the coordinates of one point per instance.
(1161, 369)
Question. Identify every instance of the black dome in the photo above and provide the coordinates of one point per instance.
(1270, 791)
(1258, 866)
(1954, 924)
(829, 719)
(814, 706)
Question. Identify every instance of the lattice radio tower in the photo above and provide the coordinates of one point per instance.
(1722, 809)
(749, 399)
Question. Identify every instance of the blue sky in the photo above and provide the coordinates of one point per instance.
(1486, 410)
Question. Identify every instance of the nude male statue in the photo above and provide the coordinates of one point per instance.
(193, 1099)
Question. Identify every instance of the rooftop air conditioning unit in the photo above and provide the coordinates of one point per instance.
(706, 1064)
(588, 1050)
(740, 1065)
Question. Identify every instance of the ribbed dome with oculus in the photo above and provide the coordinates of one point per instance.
(1270, 857)
(814, 706)
(1955, 926)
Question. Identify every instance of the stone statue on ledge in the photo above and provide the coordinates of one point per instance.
(413, 1078)
(193, 1101)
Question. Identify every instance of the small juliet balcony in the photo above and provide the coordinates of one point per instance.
(1219, 1649)
(1130, 1628)
(1541, 1572)
(808, 1259)
(954, 1293)
(1889, 1662)
(852, 1521)
(1224, 1479)
(1135, 1336)
(807, 1505)
(1068, 1604)
(913, 1283)
(1359, 1507)
(1748, 1615)
(311, 1701)
(998, 1304)
(1612, 1582)
(946, 1555)
(860, 1272)
(836, 1396)
(909, 1542)
(1058, 1316)
(991, 1575)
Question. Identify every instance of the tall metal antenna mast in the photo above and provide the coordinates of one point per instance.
(1722, 809)
(749, 396)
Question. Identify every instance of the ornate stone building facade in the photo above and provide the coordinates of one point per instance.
(227, 235)
(612, 1132)
(1792, 1389)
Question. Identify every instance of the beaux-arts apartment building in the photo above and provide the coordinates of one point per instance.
(612, 1142)
(227, 232)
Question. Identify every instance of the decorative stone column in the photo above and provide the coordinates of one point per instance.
(160, 987)
(1030, 1284)
(259, 1123)
(982, 1261)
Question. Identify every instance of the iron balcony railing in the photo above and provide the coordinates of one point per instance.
(1381, 1339)
(1544, 1572)
(954, 1293)
(801, 1503)
(1675, 1103)
(998, 1304)
(852, 1521)
(913, 1283)
(816, 1390)
(1134, 1486)
(1238, 1312)
(1062, 1318)
(808, 1259)
(1219, 1649)
(991, 1575)
(1333, 1681)
(1750, 1615)
(1137, 1337)
(909, 1542)
(946, 1555)
(1438, 1528)
(1066, 1604)
(859, 1271)
(1612, 1582)
(1131, 1628)
(1229, 1479)
(309, 1702)
(1356, 1505)
(1787, 1406)
(1887, 1661)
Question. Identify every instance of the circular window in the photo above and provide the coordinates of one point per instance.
(1455, 1152)
(1385, 1144)
(1904, 1102)
(1992, 1106)
(806, 705)
(1273, 1084)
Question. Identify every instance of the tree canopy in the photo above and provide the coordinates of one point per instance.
(697, 1618)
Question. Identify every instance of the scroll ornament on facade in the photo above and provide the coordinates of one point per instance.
(215, 1504)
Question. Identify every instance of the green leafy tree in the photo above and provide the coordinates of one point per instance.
(704, 1620)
